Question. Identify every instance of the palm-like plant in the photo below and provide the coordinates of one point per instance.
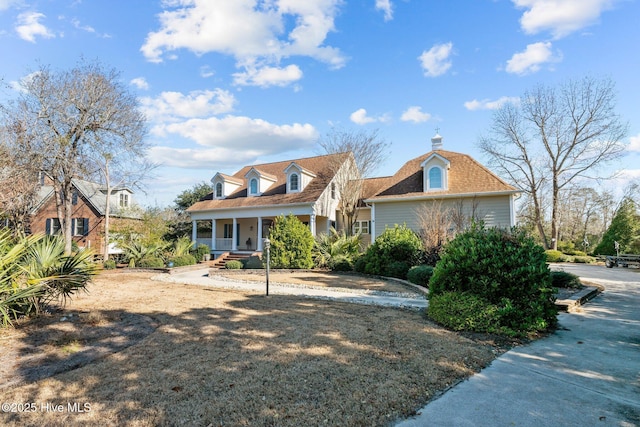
(182, 246)
(334, 247)
(34, 272)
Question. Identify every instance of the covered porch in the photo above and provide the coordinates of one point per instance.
(238, 234)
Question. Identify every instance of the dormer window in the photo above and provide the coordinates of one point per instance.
(435, 178)
(253, 186)
(294, 184)
(124, 200)
(219, 190)
(435, 170)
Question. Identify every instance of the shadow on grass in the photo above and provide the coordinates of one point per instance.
(259, 360)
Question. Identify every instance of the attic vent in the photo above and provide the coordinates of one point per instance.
(436, 142)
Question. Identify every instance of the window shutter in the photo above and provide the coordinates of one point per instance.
(48, 226)
(369, 227)
(237, 234)
(85, 226)
(73, 226)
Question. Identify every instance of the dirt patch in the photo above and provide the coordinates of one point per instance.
(224, 357)
(323, 279)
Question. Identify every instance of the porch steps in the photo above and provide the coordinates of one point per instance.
(222, 260)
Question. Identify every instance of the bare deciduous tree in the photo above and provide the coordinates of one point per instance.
(553, 137)
(369, 151)
(68, 116)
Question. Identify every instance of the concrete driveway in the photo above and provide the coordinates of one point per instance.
(586, 374)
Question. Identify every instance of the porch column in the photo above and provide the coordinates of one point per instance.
(194, 232)
(213, 234)
(259, 247)
(312, 224)
(372, 229)
(234, 236)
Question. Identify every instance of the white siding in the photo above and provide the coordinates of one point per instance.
(494, 211)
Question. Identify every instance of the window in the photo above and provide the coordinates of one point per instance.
(53, 226)
(219, 190)
(253, 186)
(293, 182)
(333, 190)
(124, 200)
(80, 226)
(361, 227)
(228, 231)
(435, 177)
(74, 198)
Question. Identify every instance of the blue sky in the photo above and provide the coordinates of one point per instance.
(233, 82)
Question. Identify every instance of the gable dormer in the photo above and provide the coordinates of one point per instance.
(435, 173)
(258, 182)
(297, 177)
(224, 185)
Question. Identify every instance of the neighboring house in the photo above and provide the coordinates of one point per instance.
(89, 202)
(243, 205)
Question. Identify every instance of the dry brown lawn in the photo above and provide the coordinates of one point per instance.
(144, 353)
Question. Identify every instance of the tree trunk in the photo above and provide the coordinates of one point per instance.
(107, 213)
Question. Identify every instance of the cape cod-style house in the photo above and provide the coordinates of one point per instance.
(242, 206)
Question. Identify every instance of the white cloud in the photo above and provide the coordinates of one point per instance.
(634, 143)
(206, 72)
(414, 114)
(251, 31)
(360, 117)
(6, 4)
(140, 83)
(240, 133)
(560, 17)
(386, 7)
(532, 58)
(29, 27)
(268, 76)
(435, 61)
(175, 106)
(210, 159)
(487, 104)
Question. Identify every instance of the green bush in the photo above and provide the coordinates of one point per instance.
(182, 260)
(465, 311)
(397, 244)
(341, 263)
(201, 251)
(233, 265)
(420, 275)
(151, 262)
(397, 269)
(583, 259)
(109, 264)
(360, 264)
(554, 256)
(506, 269)
(253, 263)
(291, 243)
(562, 279)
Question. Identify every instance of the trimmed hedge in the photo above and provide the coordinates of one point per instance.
(392, 253)
(233, 265)
(555, 256)
(152, 262)
(182, 260)
(562, 279)
(253, 262)
(420, 275)
(464, 311)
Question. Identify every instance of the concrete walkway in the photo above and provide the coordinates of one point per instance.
(201, 277)
(585, 374)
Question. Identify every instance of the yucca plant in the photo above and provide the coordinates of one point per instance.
(139, 251)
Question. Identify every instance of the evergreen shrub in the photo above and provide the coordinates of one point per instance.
(555, 256)
(233, 265)
(395, 245)
(253, 263)
(151, 262)
(420, 275)
(109, 264)
(562, 279)
(504, 268)
(291, 243)
(182, 260)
